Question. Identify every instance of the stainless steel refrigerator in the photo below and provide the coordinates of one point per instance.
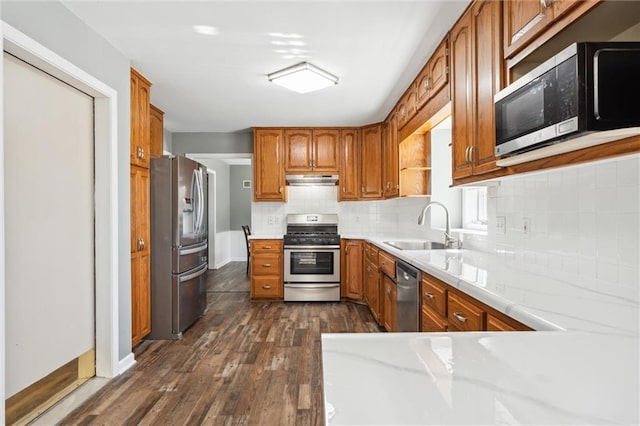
(178, 245)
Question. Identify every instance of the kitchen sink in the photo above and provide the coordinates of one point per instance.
(415, 245)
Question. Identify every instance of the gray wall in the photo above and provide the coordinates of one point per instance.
(167, 141)
(54, 26)
(240, 205)
(194, 143)
(222, 170)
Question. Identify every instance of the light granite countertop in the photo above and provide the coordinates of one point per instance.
(541, 378)
(581, 367)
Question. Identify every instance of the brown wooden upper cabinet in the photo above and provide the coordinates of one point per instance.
(349, 183)
(371, 157)
(525, 19)
(477, 74)
(268, 168)
(311, 150)
(434, 76)
(406, 108)
(390, 177)
(156, 131)
(140, 116)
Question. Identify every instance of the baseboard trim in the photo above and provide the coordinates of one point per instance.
(126, 363)
(228, 260)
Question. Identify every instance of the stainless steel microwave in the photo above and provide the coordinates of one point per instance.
(588, 87)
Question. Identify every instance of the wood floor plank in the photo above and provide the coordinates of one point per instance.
(242, 363)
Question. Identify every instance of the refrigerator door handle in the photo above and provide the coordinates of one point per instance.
(201, 270)
(200, 248)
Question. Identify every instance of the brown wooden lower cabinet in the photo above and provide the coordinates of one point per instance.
(464, 315)
(372, 290)
(432, 322)
(390, 298)
(447, 309)
(267, 281)
(351, 269)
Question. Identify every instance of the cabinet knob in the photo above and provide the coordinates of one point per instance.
(266, 287)
(266, 265)
(267, 247)
(429, 295)
(388, 291)
(280, 190)
(362, 189)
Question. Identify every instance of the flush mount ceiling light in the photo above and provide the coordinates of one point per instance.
(303, 78)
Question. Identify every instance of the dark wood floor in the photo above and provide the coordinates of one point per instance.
(244, 362)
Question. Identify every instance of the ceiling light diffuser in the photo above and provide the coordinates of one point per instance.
(303, 78)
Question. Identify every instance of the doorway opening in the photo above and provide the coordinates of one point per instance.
(230, 205)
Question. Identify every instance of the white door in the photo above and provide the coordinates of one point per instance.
(49, 223)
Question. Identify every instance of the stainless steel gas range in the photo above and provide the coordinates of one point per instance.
(312, 258)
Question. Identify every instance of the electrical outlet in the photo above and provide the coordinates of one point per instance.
(271, 220)
(501, 225)
(277, 220)
(526, 227)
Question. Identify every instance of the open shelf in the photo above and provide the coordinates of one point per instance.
(415, 165)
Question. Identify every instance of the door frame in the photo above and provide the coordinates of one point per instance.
(106, 196)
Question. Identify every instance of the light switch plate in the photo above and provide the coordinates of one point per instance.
(501, 225)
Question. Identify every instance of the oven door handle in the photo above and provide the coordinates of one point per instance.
(316, 248)
(328, 285)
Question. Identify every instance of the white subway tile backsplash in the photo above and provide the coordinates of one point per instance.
(606, 175)
(629, 172)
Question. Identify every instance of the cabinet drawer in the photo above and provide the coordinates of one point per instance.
(432, 322)
(258, 246)
(266, 287)
(464, 315)
(371, 253)
(387, 264)
(434, 295)
(495, 323)
(266, 264)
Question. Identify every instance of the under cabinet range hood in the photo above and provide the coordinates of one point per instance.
(312, 180)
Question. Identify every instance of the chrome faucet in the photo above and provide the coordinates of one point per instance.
(449, 241)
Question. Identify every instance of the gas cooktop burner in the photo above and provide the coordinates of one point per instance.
(312, 230)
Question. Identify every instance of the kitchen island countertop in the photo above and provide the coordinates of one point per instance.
(480, 378)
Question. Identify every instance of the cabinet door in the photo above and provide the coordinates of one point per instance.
(372, 290)
(268, 169)
(523, 20)
(353, 269)
(140, 116)
(432, 322)
(407, 106)
(488, 80)
(461, 96)
(140, 255)
(439, 68)
(422, 86)
(371, 162)
(390, 301)
(156, 125)
(298, 150)
(325, 150)
(349, 165)
(390, 158)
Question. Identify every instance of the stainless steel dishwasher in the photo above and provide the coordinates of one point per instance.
(408, 305)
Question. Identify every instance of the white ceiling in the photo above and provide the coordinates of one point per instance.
(218, 83)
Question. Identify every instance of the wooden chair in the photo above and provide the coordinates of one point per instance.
(247, 232)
